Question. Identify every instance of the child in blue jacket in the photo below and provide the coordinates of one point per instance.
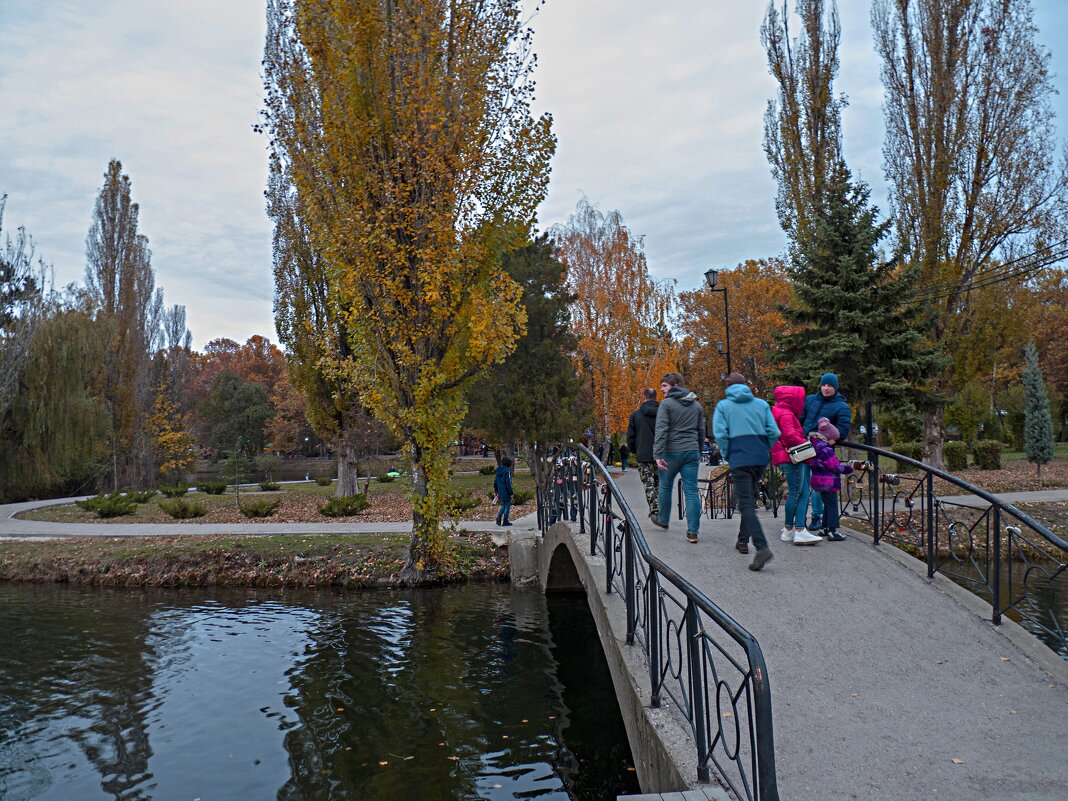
(502, 485)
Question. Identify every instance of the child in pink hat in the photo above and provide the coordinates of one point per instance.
(826, 470)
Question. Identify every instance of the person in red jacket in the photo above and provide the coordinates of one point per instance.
(789, 404)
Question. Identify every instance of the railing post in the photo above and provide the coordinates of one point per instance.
(628, 581)
(996, 588)
(877, 499)
(609, 542)
(697, 683)
(930, 521)
(593, 510)
(652, 616)
(581, 496)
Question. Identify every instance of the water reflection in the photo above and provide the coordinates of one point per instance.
(470, 692)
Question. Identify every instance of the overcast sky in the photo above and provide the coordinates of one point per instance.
(658, 107)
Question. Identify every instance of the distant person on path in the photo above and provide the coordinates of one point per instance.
(745, 430)
(641, 430)
(826, 470)
(829, 403)
(677, 450)
(787, 411)
(502, 485)
(624, 454)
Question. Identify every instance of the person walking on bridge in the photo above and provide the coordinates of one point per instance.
(641, 429)
(677, 450)
(745, 430)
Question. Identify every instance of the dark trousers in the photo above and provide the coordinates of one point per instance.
(830, 510)
(746, 481)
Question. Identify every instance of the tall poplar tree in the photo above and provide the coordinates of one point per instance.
(404, 127)
(121, 288)
(970, 155)
(1038, 424)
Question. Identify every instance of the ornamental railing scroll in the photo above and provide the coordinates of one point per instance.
(700, 660)
(1000, 552)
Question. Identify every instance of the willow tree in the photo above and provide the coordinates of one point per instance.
(405, 130)
(970, 151)
(620, 313)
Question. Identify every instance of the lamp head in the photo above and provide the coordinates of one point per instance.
(710, 278)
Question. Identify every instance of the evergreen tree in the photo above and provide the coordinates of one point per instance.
(1038, 424)
(848, 313)
(531, 397)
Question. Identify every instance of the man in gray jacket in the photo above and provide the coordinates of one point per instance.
(677, 450)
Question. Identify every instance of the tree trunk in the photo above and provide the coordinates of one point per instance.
(934, 434)
(348, 468)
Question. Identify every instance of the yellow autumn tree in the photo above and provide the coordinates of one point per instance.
(404, 129)
(171, 440)
(620, 314)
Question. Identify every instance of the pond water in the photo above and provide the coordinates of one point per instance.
(472, 692)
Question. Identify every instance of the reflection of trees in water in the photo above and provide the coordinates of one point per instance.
(85, 673)
(441, 666)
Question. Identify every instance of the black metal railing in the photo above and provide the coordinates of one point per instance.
(996, 550)
(700, 659)
(717, 493)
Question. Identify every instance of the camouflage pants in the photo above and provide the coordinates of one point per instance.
(650, 474)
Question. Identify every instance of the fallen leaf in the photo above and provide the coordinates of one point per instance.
(552, 717)
(855, 695)
(1004, 659)
(454, 758)
(384, 762)
(957, 761)
(727, 714)
(1012, 711)
(341, 709)
(525, 720)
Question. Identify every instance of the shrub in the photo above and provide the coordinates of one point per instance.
(113, 505)
(212, 487)
(175, 491)
(519, 497)
(913, 450)
(385, 478)
(268, 486)
(141, 497)
(260, 507)
(324, 481)
(487, 470)
(344, 507)
(956, 456)
(987, 454)
(461, 501)
(183, 508)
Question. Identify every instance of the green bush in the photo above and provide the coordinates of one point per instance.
(182, 508)
(268, 486)
(260, 507)
(212, 487)
(956, 456)
(519, 497)
(324, 481)
(141, 497)
(487, 470)
(344, 507)
(113, 505)
(913, 450)
(385, 478)
(987, 453)
(175, 491)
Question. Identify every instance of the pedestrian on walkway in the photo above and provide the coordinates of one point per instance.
(826, 470)
(677, 450)
(624, 454)
(830, 403)
(641, 430)
(787, 411)
(745, 430)
(502, 485)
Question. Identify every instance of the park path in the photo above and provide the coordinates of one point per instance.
(880, 678)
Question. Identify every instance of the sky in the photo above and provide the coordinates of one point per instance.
(658, 107)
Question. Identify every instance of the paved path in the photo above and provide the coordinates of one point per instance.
(880, 678)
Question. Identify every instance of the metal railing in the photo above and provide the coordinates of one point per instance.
(717, 493)
(998, 551)
(700, 659)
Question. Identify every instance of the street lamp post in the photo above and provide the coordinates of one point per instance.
(710, 280)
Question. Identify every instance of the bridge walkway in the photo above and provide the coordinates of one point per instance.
(885, 685)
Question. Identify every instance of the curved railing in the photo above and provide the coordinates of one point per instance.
(1000, 552)
(700, 659)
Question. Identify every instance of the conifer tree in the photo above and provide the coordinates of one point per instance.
(848, 315)
(1038, 424)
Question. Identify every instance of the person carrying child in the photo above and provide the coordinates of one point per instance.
(826, 472)
(502, 485)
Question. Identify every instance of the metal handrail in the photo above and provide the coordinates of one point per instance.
(697, 686)
(988, 549)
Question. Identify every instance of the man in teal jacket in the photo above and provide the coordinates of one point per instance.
(745, 431)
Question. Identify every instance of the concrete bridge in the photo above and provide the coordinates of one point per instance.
(885, 684)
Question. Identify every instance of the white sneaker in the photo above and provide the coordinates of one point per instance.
(786, 535)
(806, 537)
